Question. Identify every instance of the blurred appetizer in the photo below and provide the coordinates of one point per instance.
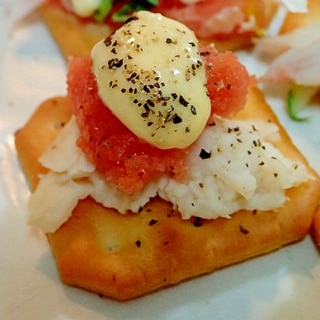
(77, 25)
(295, 57)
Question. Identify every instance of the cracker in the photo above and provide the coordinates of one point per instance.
(125, 256)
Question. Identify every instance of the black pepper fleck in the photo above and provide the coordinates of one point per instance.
(193, 110)
(107, 41)
(183, 101)
(243, 229)
(204, 53)
(115, 63)
(176, 119)
(198, 222)
(152, 222)
(205, 154)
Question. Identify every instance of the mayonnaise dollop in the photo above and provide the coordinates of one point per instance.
(150, 74)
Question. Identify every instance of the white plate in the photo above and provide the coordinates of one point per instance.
(281, 285)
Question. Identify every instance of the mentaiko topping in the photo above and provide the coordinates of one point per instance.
(150, 74)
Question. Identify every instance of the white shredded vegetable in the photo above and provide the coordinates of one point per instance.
(295, 56)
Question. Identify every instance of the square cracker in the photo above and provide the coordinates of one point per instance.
(124, 256)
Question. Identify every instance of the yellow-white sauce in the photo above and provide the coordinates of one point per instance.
(151, 76)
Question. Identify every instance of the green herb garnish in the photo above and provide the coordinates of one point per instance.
(125, 12)
(298, 98)
(103, 10)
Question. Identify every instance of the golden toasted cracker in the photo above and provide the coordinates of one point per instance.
(125, 256)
